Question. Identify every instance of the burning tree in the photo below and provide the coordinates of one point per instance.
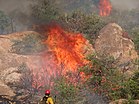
(105, 7)
(65, 53)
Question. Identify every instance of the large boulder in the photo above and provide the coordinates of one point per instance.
(22, 68)
(14, 60)
(113, 41)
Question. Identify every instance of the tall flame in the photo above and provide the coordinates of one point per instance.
(65, 53)
(105, 8)
(67, 47)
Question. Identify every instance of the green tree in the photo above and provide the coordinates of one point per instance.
(44, 10)
(104, 78)
(66, 91)
(135, 36)
(88, 24)
(29, 44)
(4, 22)
(130, 89)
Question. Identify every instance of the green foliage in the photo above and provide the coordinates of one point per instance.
(44, 11)
(31, 43)
(66, 91)
(4, 22)
(88, 24)
(135, 36)
(104, 76)
(130, 89)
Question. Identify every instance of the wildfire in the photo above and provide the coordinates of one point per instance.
(67, 47)
(104, 8)
(65, 53)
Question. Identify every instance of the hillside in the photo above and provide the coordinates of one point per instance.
(24, 54)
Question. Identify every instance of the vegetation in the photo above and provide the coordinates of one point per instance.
(88, 24)
(44, 11)
(130, 89)
(104, 78)
(5, 21)
(102, 75)
(31, 43)
(135, 36)
(66, 92)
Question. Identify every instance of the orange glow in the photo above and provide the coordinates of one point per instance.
(65, 53)
(67, 47)
(104, 8)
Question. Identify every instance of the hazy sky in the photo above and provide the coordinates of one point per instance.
(125, 4)
(23, 5)
(20, 9)
(11, 5)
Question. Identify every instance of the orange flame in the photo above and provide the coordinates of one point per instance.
(105, 8)
(67, 47)
(65, 53)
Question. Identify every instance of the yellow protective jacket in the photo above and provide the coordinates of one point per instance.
(49, 101)
(46, 100)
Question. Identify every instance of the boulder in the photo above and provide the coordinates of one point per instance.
(11, 63)
(113, 41)
(6, 90)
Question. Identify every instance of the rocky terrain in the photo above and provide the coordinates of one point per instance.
(113, 41)
(15, 56)
(13, 63)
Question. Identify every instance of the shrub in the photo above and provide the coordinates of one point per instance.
(104, 78)
(130, 89)
(28, 45)
(5, 21)
(135, 37)
(88, 24)
(66, 92)
(44, 11)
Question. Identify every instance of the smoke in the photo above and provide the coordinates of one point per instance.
(125, 4)
(19, 11)
(93, 98)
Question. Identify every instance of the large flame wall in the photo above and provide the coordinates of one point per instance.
(65, 53)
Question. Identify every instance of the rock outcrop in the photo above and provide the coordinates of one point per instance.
(20, 54)
(113, 41)
(11, 72)
(21, 51)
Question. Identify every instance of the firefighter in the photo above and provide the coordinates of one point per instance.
(47, 99)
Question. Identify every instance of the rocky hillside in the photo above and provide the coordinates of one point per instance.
(113, 41)
(14, 57)
(21, 60)
(17, 50)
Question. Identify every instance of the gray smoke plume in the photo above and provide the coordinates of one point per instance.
(18, 11)
(125, 4)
